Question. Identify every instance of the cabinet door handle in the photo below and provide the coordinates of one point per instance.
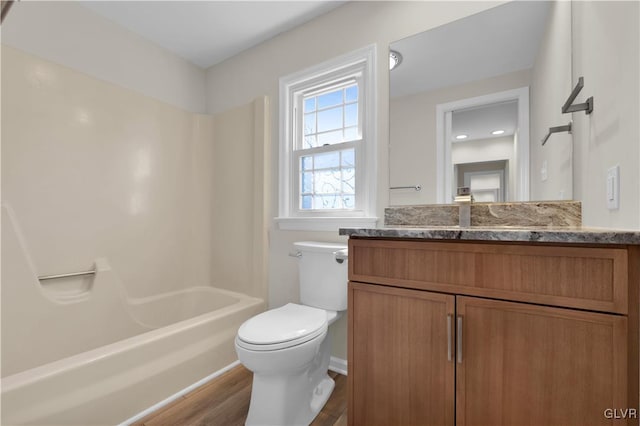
(459, 345)
(449, 337)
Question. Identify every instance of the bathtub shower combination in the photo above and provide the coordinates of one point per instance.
(86, 353)
(108, 175)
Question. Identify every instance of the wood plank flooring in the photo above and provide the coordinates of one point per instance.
(224, 401)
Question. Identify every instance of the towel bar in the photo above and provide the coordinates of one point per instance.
(71, 274)
(416, 187)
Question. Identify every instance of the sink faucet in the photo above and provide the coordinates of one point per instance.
(464, 200)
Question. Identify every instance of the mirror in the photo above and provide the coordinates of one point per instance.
(471, 101)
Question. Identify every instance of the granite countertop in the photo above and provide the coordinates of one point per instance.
(574, 235)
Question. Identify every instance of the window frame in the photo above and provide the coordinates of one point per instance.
(359, 66)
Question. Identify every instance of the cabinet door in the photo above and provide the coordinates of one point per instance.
(523, 364)
(401, 364)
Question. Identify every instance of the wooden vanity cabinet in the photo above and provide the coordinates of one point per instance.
(535, 365)
(427, 348)
(401, 346)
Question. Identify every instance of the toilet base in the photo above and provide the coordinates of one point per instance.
(277, 407)
(321, 395)
(291, 398)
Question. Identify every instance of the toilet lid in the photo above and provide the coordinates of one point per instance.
(287, 323)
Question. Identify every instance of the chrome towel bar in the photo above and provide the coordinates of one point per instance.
(557, 129)
(72, 274)
(416, 187)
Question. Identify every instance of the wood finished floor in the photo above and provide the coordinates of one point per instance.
(224, 401)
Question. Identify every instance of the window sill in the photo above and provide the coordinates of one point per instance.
(324, 223)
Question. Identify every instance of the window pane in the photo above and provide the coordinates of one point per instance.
(328, 182)
(351, 133)
(310, 123)
(307, 163)
(310, 141)
(310, 104)
(330, 99)
(348, 158)
(307, 202)
(327, 160)
(330, 138)
(330, 119)
(349, 181)
(306, 183)
(327, 202)
(352, 94)
(348, 201)
(351, 115)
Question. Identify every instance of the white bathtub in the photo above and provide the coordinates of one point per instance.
(193, 337)
(170, 308)
(80, 351)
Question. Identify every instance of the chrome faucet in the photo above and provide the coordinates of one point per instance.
(464, 200)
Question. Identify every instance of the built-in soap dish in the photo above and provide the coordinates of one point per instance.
(67, 288)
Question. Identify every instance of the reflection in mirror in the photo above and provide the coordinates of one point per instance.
(482, 148)
(470, 100)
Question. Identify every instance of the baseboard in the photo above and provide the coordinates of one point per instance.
(179, 394)
(338, 365)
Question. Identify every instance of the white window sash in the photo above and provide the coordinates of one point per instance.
(358, 210)
(298, 109)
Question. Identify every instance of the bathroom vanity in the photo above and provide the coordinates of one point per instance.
(493, 327)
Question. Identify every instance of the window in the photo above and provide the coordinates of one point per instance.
(326, 148)
(327, 145)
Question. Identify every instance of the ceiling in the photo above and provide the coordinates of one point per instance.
(479, 122)
(208, 32)
(500, 40)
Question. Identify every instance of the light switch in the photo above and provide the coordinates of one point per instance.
(613, 188)
(543, 171)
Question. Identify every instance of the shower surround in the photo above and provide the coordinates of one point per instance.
(168, 206)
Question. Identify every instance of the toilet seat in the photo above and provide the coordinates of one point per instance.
(283, 327)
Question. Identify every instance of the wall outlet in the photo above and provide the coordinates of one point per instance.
(613, 188)
(543, 171)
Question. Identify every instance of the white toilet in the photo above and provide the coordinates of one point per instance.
(287, 349)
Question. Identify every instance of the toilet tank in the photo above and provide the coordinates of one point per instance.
(322, 277)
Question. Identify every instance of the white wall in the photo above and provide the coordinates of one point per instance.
(69, 34)
(606, 52)
(490, 149)
(550, 86)
(257, 71)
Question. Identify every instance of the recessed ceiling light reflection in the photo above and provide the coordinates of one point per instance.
(460, 137)
(497, 132)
